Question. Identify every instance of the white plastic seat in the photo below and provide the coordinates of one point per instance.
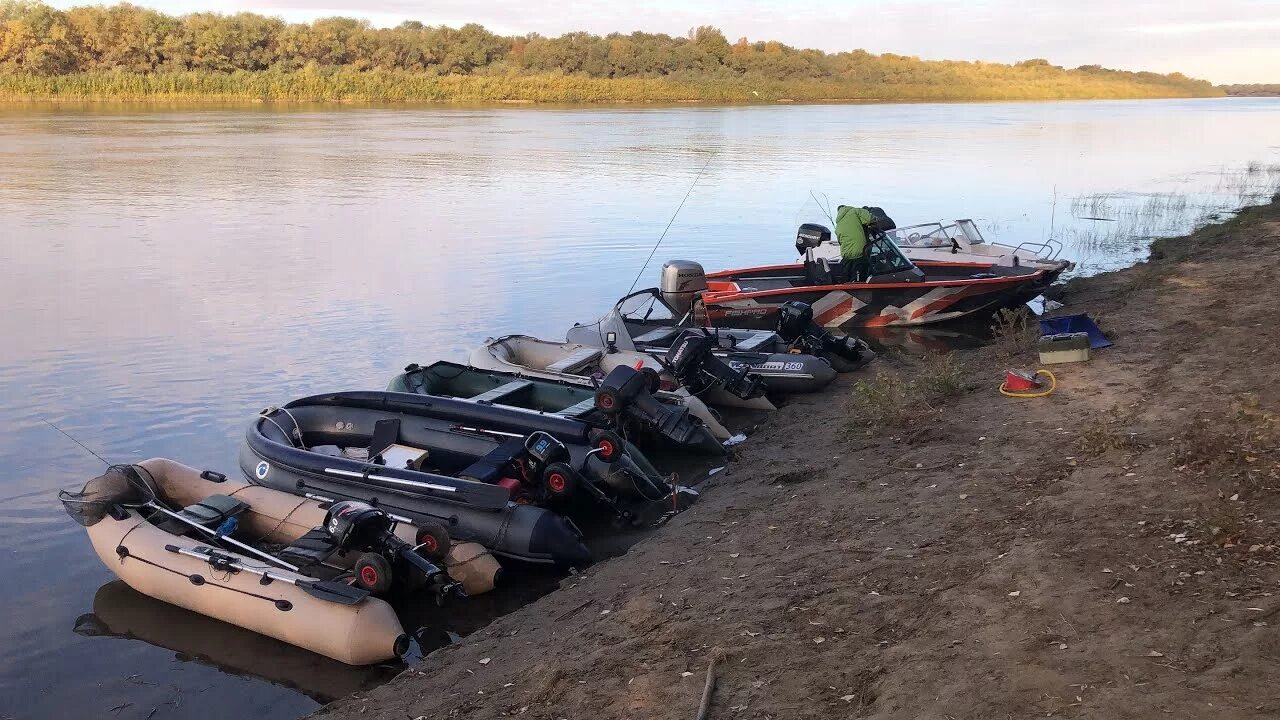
(576, 361)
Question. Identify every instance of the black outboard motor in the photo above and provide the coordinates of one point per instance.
(809, 237)
(796, 326)
(629, 391)
(691, 359)
(550, 459)
(360, 527)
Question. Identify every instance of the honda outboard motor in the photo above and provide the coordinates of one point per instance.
(627, 390)
(682, 280)
(691, 359)
(357, 526)
(796, 326)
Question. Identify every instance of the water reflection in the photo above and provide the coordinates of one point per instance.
(167, 272)
(121, 612)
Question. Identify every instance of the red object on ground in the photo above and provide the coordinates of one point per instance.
(1020, 381)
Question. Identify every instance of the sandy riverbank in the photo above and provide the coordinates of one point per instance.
(1109, 551)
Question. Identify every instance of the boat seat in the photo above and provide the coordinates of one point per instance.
(755, 342)
(576, 361)
(491, 468)
(310, 549)
(502, 391)
(209, 512)
(662, 336)
(578, 410)
(385, 434)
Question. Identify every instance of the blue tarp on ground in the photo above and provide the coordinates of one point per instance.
(1075, 324)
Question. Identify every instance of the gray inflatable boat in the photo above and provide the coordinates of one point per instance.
(509, 479)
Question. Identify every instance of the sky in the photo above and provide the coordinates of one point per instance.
(1225, 41)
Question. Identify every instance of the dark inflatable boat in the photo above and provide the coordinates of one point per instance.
(659, 419)
(507, 478)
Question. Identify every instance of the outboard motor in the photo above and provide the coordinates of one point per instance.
(357, 526)
(691, 359)
(682, 280)
(628, 391)
(797, 327)
(549, 459)
(809, 237)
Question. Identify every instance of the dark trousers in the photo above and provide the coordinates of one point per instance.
(850, 270)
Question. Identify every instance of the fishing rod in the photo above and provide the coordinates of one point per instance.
(670, 222)
(825, 208)
(82, 445)
(155, 504)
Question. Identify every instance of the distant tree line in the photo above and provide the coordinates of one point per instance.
(1254, 90)
(37, 40)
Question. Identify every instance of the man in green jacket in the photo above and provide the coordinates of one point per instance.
(851, 231)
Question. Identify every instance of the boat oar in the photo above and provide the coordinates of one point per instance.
(214, 534)
(327, 590)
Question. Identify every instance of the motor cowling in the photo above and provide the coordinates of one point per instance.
(356, 525)
(692, 360)
(810, 236)
(681, 281)
(795, 319)
(797, 327)
(689, 351)
(628, 389)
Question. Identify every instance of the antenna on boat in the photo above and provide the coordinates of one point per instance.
(671, 221)
(68, 436)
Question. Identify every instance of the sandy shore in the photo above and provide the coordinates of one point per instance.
(1108, 551)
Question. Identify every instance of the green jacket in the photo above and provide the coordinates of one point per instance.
(851, 231)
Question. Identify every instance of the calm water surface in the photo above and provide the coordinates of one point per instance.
(164, 274)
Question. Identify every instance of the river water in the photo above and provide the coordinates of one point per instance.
(165, 272)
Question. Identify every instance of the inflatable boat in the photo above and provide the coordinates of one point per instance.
(661, 419)
(264, 560)
(699, 374)
(506, 478)
(889, 290)
(793, 358)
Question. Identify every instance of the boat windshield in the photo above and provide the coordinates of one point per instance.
(884, 258)
(970, 230)
(644, 306)
(931, 235)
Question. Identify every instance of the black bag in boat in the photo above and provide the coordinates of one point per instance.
(880, 220)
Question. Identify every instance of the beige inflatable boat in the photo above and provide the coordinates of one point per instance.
(237, 580)
(572, 362)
